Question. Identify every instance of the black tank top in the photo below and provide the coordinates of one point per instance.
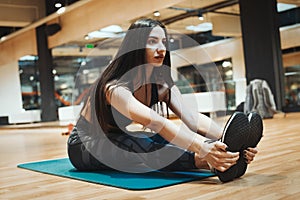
(117, 121)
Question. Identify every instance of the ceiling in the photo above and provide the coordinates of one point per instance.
(177, 17)
(186, 14)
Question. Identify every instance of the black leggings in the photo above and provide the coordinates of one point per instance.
(96, 154)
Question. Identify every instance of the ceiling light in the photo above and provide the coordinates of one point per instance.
(61, 10)
(112, 31)
(200, 16)
(226, 64)
(100, 34)
(284, 6)
(28, 57)
(291, 73)
(85, 71)
(171, 39)
(229, 73)
(63, 86)
(54, 71)
(3, 38)
(156, 13)
(58, 5)
(112, 28)
(203, 27)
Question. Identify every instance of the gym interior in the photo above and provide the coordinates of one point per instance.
(53, 50)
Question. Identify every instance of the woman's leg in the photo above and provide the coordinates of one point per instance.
(155, 151)
(80, 157)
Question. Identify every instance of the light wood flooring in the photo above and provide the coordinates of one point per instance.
(275, 173)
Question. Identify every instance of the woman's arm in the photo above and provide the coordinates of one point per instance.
(123, 100)
(214, 153)
(196, 121)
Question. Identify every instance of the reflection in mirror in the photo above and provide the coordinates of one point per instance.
(292, 79)
(79, 64)
(30, 85)
(207, 80)
(67, 69)
(292, 88)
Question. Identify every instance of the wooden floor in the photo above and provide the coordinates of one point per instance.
(275, 174)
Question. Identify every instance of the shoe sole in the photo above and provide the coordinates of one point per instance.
(254, 137)
(234, 135)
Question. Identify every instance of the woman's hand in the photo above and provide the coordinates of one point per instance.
(249, 154)
(217, 156)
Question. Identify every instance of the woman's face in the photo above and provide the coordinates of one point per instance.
(156, 46)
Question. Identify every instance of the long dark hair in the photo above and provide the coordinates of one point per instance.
(131, 54)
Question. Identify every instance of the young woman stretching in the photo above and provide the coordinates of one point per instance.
(137, 88)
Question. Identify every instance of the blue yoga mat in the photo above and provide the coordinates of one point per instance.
(133, 181)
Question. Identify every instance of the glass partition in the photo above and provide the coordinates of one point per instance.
(190, 80)
(292, 88)
(65, 69)
(30, 85)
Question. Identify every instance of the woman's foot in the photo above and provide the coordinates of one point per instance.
(234, 136)
(254, 136)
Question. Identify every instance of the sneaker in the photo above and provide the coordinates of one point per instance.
(254, 136)
(234, 135)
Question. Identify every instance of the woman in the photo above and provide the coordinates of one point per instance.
(137, 87)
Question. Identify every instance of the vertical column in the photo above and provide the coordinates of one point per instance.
(45, 66)
(261, 43)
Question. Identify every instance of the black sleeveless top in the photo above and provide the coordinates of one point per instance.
(118, 122)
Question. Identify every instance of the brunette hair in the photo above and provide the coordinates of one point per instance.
(131, 54)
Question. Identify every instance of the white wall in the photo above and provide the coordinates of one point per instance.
(10, 89)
